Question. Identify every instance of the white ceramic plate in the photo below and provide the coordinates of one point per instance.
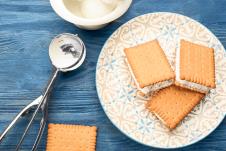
(117, 90)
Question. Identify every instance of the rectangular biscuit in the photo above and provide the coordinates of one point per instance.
(195, 67)
(62, 137)
(149, 66)
(173, 103)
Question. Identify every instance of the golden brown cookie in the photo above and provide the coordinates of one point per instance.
(173, 103)
(63, 137)
(195, 65)
(149, 66)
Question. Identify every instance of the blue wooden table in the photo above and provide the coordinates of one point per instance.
(26, 29)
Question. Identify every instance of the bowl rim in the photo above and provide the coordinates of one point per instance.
(60, 9)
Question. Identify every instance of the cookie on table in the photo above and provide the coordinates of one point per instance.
(195, 67)
(62, 137)
(149, 66)
(172, 104)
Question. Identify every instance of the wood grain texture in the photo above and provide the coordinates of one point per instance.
(26, 29)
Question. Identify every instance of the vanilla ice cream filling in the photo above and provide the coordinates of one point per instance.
(184, 83)
(153, 87)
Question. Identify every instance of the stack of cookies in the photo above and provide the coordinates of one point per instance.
(177, 92)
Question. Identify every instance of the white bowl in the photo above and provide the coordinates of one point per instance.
(85, 23)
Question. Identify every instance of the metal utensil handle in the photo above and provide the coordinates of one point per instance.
(46, 92)
(40, 132)
(42, 124)
(25, 109)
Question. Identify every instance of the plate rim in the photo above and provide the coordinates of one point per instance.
(101, 100)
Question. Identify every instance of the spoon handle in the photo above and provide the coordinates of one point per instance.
(46, 92)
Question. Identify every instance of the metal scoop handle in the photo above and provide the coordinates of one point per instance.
(45, 94)
(42, 124)
(22, 112)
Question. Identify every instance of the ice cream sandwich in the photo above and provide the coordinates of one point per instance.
(173, 103)
(149, 66)
(195, 66)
